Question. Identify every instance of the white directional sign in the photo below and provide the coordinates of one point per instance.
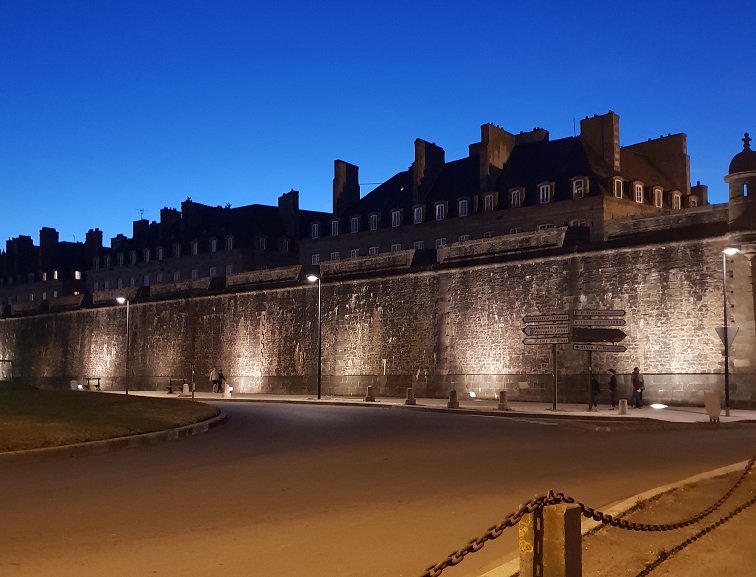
(546, 341)
(598, 313)
(581, 322)
(602, 348)
(551, 318)
(550, 329)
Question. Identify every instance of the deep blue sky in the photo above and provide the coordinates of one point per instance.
(111, 107)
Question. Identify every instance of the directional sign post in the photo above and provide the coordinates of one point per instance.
(599, 347)
(598, 313)
(548, 329)
(590, 335)
(546, 341)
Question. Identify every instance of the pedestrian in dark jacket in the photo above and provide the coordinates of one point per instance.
(595, 390)
(613, 389)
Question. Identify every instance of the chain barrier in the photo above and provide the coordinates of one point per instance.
(552, 498)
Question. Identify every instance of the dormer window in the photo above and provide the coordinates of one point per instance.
(676, 197)
(638, 192)
(463, 207)
(262, 243)
(176, 251)
(658, 197)
(334, 228)
(515, 197)
(578, 188)
(417, 214)
(132, 257)
(213, 245)
(107, 261)
(146, 255)
(617, 188)
(544, 192)
(439, 211)
(373, 222)
(396, 218)
(120, 260)
(195, 248)
(229, 243)
(354, 224)
(488, 202)
(692, 201)
(315, 230)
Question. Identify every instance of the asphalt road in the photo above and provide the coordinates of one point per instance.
(326, 491)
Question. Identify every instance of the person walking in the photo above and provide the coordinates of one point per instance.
(595, 390)
(613, 389)
(221, 380)
(214, 379)
(636, 401)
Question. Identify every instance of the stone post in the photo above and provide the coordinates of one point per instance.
(549, 542)
(503, 403)
(410, 397)
(369, 396)
(453, 402)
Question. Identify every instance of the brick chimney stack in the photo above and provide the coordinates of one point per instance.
(428, 164)
(346, 186)
(601, 134)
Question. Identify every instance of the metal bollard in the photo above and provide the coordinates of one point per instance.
(623, 407)
(453, 402)
(503, 403)
(369, 397)
(226, 391)
(550, 543)
(410, 397)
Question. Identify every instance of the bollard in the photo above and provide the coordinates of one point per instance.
(369, 396)
(410, 397)
(453, 402)
(226, 391)
(623, 407)
(549, 542)
(186, 388)
(503, 403)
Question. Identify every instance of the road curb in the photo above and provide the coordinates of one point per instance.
(105, 445)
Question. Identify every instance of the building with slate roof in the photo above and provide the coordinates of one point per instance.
(508, 184)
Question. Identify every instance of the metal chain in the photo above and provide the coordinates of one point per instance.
(552, 498)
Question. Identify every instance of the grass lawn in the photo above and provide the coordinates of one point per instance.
(32, 418)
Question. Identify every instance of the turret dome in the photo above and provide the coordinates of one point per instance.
(745, 160)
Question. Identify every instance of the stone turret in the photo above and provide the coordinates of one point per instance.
(742, 205)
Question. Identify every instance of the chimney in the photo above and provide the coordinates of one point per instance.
(495, 147)
(346, 187)
(601, 134)
(428, 164)
(288, 212)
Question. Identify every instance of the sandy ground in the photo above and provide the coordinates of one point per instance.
(729, 549)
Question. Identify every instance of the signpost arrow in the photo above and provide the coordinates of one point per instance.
(551, 329)
(581, 322)
(599, 313)
(602, 348)
(546, 341)
(586, 335)
(549, 318)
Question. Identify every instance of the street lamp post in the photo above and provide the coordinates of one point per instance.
(122, 300)
(313, 278)
(726, 338)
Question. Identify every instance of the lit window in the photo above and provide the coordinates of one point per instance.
(315, 230)
(373, 222)
(516, 197)
(544, 193)
(335, 255)
(229, 269)
(396, 247)
(55, 275)
(31, 297)
(638, 188)
(463, 237)
(44, 276)
(195, 248)
(658, 197)
(418, 244)
(440, 242)
(675, 201)
(440, 211)
(195, 273)
(578, 188)
(545, 226)
(334, 228)
(418, 214)
(396, 218)
(355, 252)
(373, 250)
(618, 188)
(146, 280)
(229, 243)
(315, 259)
(488, 202)
(463, 207)
(262, 243)
(55, 294)
(354, 224)
(146, 255)
(577, 222)
(77, 274)
(213, 245)
(213, 271)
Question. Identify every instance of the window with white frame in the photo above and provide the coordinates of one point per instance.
(418, 214)
(44, 276)
(213, 271)
(159, 253)
(96, 263)
(195, 273)
(262, 243)
(315, 230)
(354, 224)
(334, 228)
(488, 202)
(120, 259)
(440, 211)
(418, 244)
(396, 218)
(146, 255)
(440, 242)
(373, 222)
(283, 245)
(176, 276)
(515, 230)
(213, 245)
(355, 252)
(488, 234)
(195, 248)
(463, 207)
(132, 257)
(107, 261)
(229, 243)
(638, 190)
(229, 269)
(658, 197)
(578, 188)
(146, 280)
(55, 294)
(545, 226)
(315, 259)
(676, 201)
(132, 282)
(396, 247)
(55, 275)
(692, 201)
(515, 197)
(577, 222)
(77, 274)
(463, 238)
(335, 255)
(617, 188)
(106, 285)
(176, 251)
(544, 193)
(373, 250)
